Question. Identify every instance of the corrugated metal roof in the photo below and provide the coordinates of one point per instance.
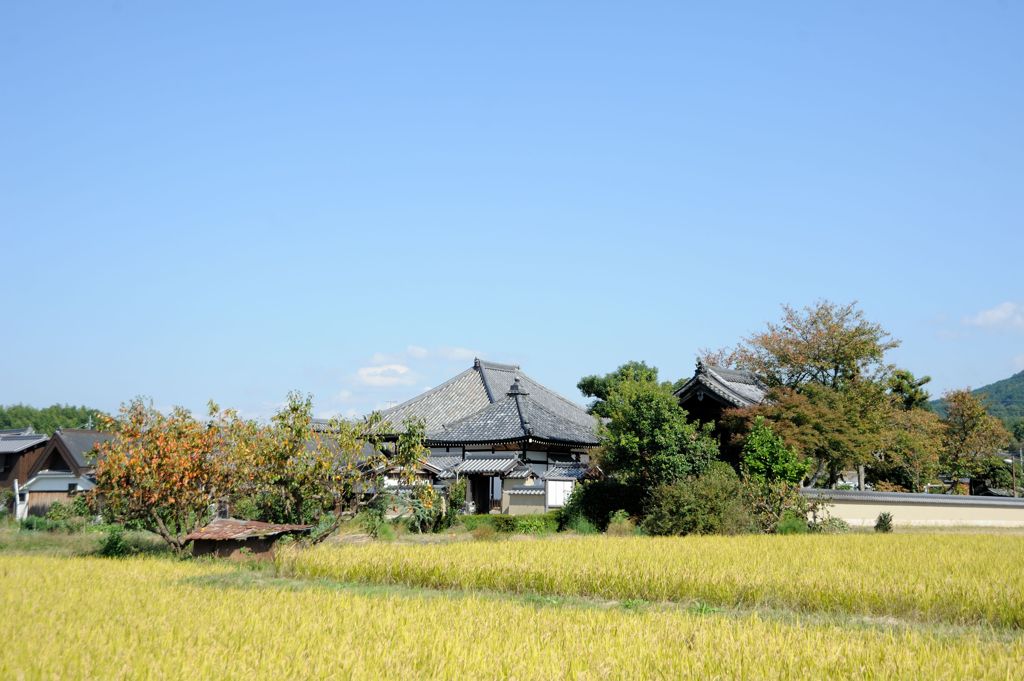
(14, 443)
(487, 465)
(57, 481)
(223, 529)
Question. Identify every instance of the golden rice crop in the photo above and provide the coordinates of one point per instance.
(948, 578)
(145, 618)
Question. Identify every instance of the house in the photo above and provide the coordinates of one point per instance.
(239, 539)
(521, 446)
(714, 389)
(20, 450)
(63, 468)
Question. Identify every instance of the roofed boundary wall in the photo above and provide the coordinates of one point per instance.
(861, 509)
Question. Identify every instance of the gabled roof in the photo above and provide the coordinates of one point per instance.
(57, 481)
(516, 417)
(74, 446)
(483, 384)
(81, 442)
(734, 387)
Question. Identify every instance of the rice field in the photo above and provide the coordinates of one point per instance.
(958, 579)
(159, 618)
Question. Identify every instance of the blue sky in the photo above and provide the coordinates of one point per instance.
(233, 200)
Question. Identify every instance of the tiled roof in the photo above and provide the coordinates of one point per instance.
(223, 529)
(488, 465)
(736, 387)
(483, 384)
(570, 471)
(14, 443)
(524, 491)
(517, 416)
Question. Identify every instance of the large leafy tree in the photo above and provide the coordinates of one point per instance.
(165, 471)
(294, 472)
(908, 455)
(600, 387)
(972, 436)
(825, 344)
(649, 441)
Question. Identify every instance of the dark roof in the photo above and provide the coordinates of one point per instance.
(735, 387)
(490, 464)
(483, 384)
(80, 442)
(223, 529)
(518, 416)
(567, 471)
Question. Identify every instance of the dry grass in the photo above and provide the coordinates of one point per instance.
(145, 618)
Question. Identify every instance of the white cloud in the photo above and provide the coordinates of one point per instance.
(385, 375)
(458, 354)
(416, 351)
(1003, 316)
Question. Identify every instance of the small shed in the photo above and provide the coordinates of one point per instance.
(237, 539)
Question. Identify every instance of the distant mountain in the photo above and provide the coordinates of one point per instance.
(1004, 399)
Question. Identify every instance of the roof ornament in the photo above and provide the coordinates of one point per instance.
(517, 390)
(701, 367)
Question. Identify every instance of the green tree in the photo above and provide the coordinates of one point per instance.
(48, 419)
(908, 390)
(767, 457)
(600, 387)
(908, 456)
(972, 436)
(649, 441)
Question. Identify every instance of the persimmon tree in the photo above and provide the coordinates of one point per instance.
(165, 471)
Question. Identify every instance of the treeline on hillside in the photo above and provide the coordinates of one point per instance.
(48, 419)
(1004, 399)
(834, 405)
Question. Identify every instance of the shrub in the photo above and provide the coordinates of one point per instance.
(884, 522)
(581, 525)
(620, 525)
(791, 523)
(713, 503)
(830, 525)
(484, 532)
(596, 500)
(505, 523)
(34, 523)
(471, 522)
(537, 524)
(58, 511)
(114, 544)
(772, 502)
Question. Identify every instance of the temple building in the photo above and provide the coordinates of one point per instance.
(521, 446)
(713, 389)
